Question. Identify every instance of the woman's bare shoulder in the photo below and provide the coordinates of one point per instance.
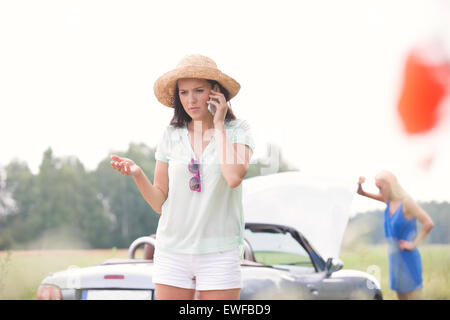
(410, 207)
(408, 202)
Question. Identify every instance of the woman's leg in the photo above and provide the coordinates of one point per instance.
(412, 295)
(402, 296)
(166, 292)
(415, 295)
(229, 294)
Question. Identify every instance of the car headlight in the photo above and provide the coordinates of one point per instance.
(49, 292)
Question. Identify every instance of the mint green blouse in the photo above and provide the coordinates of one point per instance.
(209, 221)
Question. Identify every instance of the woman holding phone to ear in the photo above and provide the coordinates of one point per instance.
(405, 265)
(201, 160)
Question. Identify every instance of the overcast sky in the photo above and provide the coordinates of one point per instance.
(318, 78)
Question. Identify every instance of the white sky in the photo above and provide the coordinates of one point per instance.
(319, 78)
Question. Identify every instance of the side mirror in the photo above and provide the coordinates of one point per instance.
(333, 265)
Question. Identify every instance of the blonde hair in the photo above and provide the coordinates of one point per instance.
(396, 190)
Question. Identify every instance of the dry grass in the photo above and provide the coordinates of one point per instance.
(26, 269)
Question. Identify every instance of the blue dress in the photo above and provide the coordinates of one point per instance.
(405, 267)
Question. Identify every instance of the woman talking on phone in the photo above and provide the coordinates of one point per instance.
(405, 265)
(201, 160)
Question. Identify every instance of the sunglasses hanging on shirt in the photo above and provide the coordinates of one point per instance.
(194, 182)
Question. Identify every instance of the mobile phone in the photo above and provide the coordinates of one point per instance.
(211, 107)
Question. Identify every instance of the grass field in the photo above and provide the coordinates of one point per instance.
(435, 266)
(22, 271)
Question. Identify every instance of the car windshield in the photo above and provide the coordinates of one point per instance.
(277, 248)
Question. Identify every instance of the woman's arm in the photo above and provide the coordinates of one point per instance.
(413, 210)
(156, 194)
(368, 194)
(234, 158)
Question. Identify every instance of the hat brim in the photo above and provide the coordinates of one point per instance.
(165, 85)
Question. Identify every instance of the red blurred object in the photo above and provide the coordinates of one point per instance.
(424, 87)
(426, 162)
(48, 292)
(114, 276)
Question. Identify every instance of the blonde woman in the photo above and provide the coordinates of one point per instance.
(405, 266)
(201, 161)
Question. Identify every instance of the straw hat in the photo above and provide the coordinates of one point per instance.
(192, 66)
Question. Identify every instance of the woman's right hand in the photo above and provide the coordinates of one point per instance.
(125, 166)
(360, 182)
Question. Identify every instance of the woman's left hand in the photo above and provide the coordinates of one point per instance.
(406, 245)
(221, 106)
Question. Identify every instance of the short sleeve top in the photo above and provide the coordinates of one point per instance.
(208, 221)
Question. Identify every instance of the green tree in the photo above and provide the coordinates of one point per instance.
(101, 207)
(62, 195)
(133, 217)
(19, 225)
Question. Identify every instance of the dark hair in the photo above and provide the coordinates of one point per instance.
(180, 118)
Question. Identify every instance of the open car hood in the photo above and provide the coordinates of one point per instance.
(318, 207)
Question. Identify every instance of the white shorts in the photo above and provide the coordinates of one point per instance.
(212, 271)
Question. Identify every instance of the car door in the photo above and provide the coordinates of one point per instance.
(334, 288)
